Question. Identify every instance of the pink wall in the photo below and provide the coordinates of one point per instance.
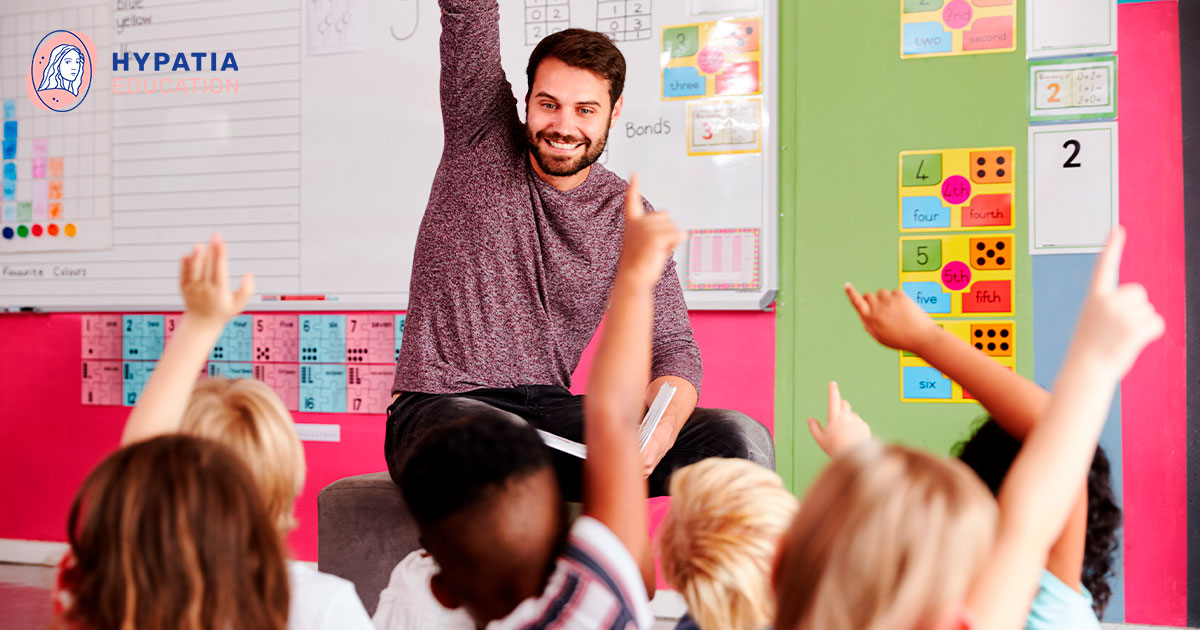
(1153, 405)
(49, 441)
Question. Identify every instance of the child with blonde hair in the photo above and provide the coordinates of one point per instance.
(890, 538)
(719, 540)
(244, 415)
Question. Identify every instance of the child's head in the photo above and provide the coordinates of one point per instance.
(167, 533)
(887, 538)
(486, 500)
(990, 453)
(720, 537)
(248, 417)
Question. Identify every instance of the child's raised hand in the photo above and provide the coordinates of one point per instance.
(204, 284)
(892, 318)
(843, 430)
(1116, 322)
(649, 239)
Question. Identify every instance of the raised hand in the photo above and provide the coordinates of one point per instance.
(893, 319)
(649, 239)
(843, 430)
(1116, 322)
(204, 284)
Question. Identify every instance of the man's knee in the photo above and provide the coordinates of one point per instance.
(740, 435)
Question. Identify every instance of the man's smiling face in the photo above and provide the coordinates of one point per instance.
(567, 117)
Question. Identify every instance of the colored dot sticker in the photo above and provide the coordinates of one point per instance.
(8, 232)
(22, 231)
(710, 59)
(956, 275)
(52, 229)
(69, 230)
(37, 230)
(956, 189)
(957, 14)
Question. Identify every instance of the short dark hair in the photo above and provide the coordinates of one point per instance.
(581, 48)
(990, 452)
(457, 465)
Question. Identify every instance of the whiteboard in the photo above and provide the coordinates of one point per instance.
(317, 171)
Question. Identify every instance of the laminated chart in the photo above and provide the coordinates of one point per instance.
(1073, 89)
(721, 58)
(316, 363)
(921, 383)
(724, 126)
(956, 275)
(954, 190)
(938, 28)
(723, 259)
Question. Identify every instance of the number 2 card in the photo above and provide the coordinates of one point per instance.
(1072, 187)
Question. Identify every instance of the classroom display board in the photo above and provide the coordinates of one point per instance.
(308, 134)
(321, 363)
(968, 272)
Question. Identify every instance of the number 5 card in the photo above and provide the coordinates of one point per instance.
(950, 276)
(1073, 200)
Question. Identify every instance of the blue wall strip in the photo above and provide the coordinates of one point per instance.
(1059, 285)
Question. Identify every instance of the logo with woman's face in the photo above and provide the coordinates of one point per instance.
(60, 73)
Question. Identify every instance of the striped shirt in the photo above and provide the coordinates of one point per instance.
(596, 585)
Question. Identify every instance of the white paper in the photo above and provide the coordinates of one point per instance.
(309, 432)
(1057, 28)
(335, 26)
(645, 430)
(1073, 195)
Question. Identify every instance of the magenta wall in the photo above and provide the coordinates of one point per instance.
(49, 441)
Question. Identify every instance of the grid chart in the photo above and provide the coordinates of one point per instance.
(315, 362)
(545, 17)
(624, 20)
(56, 166)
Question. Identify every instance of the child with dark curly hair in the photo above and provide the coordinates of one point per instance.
(1073, 589)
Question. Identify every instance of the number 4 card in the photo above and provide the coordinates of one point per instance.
(1072, 187)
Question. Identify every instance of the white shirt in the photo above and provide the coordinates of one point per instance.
(321, 601)
(595, 585)
(408, 604)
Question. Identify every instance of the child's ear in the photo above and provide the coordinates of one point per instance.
(443, 593)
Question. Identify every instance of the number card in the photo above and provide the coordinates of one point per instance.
(724, 126)
(937, 28)
(921, 383)
(953, 190)
(721, 58)
(1057, 28)
(1073, 200)
(1073, 89)
(959, 274)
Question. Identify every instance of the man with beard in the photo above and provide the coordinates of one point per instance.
(517, 253)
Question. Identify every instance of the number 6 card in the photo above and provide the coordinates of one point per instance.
(1073, 178)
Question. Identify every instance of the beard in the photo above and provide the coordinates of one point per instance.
(563, 166)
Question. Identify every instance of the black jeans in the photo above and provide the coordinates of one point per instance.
(707, 433)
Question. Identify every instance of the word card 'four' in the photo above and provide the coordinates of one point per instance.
(921, 383)
(235, 342)
(957, 189)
